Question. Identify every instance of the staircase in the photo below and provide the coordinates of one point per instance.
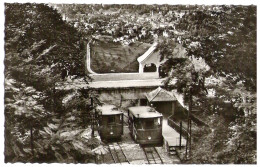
(172, 150)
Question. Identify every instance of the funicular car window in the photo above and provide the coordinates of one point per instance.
(138, 124)
(149, 123)
(118, 118)
(157, 121)
(111, 119)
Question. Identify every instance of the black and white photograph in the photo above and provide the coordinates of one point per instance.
(129, 83)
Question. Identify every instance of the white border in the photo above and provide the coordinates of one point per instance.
(180, 2)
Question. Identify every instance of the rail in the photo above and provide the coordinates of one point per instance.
(195, 119)
(123, 153)
(110, 151)
(148, 160)
(117, 156)
(151, 153)
(158, 154)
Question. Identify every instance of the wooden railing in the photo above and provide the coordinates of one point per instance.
(176, 126)
(197, 121)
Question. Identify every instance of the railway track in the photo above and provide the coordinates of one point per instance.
(152, 155)
(126, 120)
(117, 153)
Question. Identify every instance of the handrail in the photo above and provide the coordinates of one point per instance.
(175, 126)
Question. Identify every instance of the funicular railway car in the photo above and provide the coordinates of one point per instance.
(110, 122)
(145, 124)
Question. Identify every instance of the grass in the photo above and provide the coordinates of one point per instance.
(107, 57)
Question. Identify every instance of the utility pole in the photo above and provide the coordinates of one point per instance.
(190, 137)
(92, 116)
(180, 132)
(188, 142)
(121, 99)
(190, 110)
(53, 98)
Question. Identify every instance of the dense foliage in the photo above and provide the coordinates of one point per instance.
(220, 47)
(37, 39)
(44, 45)
(40, 50)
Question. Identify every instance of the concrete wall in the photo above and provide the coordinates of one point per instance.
(132, 97)
(124, 76)
(125, 97)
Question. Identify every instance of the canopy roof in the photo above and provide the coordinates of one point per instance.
(160, 94)
(147, 53)
(144, 112)
(109, 110)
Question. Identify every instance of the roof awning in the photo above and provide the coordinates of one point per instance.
(144, 112)
(147, 53)
(160, 94)
(109, 110)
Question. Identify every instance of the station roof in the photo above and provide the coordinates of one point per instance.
(160, 94)
(147, 53)
(144, 112)
(109, 110)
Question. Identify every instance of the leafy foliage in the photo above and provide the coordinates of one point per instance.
(39, 48)
(225, 37)
(37, 39)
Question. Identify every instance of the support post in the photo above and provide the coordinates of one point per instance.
(121, 99)
(188, 142)
(190, 110)
(190, 137)
(92, 116)
(180, 132)
(141, 68)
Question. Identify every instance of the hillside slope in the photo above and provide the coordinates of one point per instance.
(107, 57)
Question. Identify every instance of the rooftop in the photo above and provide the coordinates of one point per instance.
(122, 84)
(160, 94)
(109, 110)
(147, 53)
(144, 112)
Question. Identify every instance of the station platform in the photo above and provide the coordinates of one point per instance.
(171, 138)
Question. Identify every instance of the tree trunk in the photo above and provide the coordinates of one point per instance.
(32, 146)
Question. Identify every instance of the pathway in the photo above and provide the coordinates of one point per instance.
(170, 135)
(88, 59)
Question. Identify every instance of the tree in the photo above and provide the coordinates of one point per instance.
(38, 46)
(26, 113)
(228, 48)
